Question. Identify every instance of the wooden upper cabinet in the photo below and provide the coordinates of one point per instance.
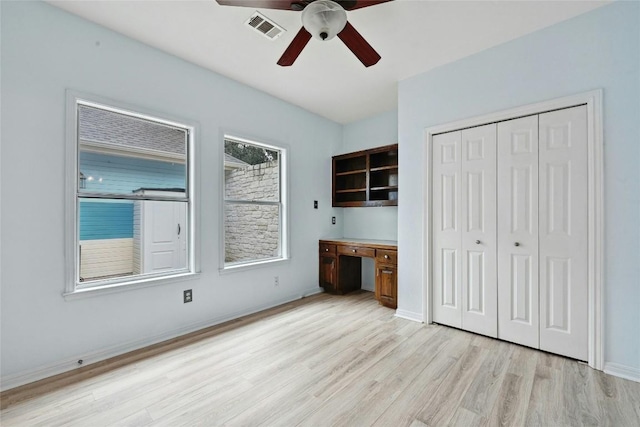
(366, 178)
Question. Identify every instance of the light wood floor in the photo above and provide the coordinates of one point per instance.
(328, 360)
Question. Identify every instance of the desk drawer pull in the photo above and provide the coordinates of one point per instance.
(357, 251)
(386, 257)
(387, 271)
(327, 248)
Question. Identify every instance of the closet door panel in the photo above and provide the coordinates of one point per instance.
(563, 232)
(478, 221)
(447, 266)
(518, 231)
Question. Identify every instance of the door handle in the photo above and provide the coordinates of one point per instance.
(179, 229)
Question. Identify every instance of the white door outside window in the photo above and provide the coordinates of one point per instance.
(164, 234)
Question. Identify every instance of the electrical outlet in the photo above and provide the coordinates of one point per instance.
(187, 296)
(315, 204)
(333, 220)
(276, 281)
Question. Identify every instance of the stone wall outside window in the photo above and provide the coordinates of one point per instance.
(252, 231)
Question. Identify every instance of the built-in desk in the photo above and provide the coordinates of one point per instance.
(341, 266)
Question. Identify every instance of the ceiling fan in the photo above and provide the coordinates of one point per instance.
(322, 19)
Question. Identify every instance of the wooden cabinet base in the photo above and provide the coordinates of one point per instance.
(328, 272)
(341, 267)
(386, 285)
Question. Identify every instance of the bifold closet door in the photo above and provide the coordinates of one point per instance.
(478, 212)
(464, 229)
(447, 268)
(518, 231)
(510, 227)
(563, 232)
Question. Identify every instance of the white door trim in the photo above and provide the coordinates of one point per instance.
(595, 141)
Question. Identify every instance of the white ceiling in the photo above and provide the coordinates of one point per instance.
(412, 36)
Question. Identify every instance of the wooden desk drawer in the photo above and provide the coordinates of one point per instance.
(387, 257)
(326, 248)
(356, 251)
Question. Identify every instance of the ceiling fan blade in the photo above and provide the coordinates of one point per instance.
(295, 47)
(358, 45)
(359, 4)
(259, 4)
(297, 5)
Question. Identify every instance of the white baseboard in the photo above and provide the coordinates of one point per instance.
(311, 292)
(61, 366)
(622, 371)
(409, 315)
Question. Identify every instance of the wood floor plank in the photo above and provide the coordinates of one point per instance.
(467, 418)
(361, 402)
(408, 404)
(442, 406)
(515, 391)
(547, 400)
(483, 391)
(581, 406)
(139, 419)
(328, 360)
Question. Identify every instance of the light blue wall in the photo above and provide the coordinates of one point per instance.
(370, 223)
(380, 222)
(600, 49)
(46, 51)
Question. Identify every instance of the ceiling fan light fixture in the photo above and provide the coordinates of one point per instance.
(324, 19)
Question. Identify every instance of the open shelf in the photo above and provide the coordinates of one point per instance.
(387, 195)
(389, 187)
(350, 199)
(351, 172)
(383, 168)
(350, 164)
(351, 190)
(384, 158)
(366, 178)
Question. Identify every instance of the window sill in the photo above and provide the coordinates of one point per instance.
(251, 265)
(128, 286)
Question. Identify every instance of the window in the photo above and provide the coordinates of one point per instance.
(132, 210)
(254, 203)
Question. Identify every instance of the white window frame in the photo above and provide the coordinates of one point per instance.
(74, 288)
(283, 151)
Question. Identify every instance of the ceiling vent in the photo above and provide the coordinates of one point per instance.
(265, 26)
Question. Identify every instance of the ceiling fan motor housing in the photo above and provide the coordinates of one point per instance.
(324, 19)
